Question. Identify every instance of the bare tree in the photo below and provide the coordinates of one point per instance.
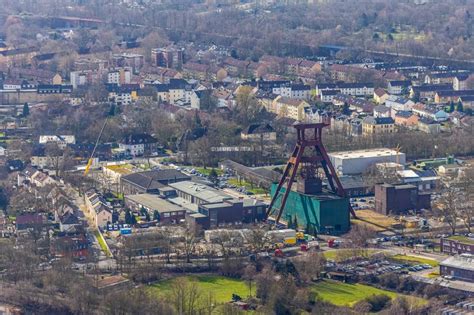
(447, 206)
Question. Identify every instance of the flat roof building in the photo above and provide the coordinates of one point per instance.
(459, 267)
(167, 211)
(199, 193)
(359, 161)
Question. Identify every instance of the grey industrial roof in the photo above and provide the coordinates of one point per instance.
(154, 202)
(465, 262)
(200, 191)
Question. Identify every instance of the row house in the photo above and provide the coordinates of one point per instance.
(399, 87)
(356, 104)
(430, 112)
(451, 96)
(428, 91)
(406, 118)
(467, 101)
(289, 107)
(196, 70)
(100, 209)
(429, 125)
(456, 79)
(236, 67)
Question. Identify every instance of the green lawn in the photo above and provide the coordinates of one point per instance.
(333, 253)
(415, 260)
(463, 239)
(248, 186)
(221, 288)
(206, 171)
(345, 294)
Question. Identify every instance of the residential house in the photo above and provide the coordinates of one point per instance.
(135, 61)
(139, 144)
(381, 111)
(69, 223)
(451, 96)
(236, 67)
(376, 126)
(467, 101)
(99, 207)
(359, 105)
(196, 70)
(406, 118)
(398, 103)
(289, 107)
(399, 87)
(30, 221)
(429, 125)
(456, 117)
(380, 95)
(327, 96)
(202, 98)
(430, 112)
(356, 89)
(259, 132)
(428, 91)
(460, 81)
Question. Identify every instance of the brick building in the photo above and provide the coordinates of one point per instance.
(457, 245)
(398, 199)
(459, 267)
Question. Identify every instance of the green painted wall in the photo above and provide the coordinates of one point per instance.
(326, 216)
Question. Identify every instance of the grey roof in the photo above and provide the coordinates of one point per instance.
(378, 120)
(155, 179)
(154, 202)
(203, 192)
(464, 261)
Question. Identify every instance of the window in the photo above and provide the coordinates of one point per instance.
(166, 214)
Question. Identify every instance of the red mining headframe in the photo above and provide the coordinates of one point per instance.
(309, 137)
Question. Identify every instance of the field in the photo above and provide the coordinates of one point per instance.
(345, 294)
(248, 186)
(415, 260)
(207, 171)
(376, 221)
(463, 239)
(221, 288)
(333, 254)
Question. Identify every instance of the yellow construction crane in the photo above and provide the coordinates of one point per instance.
(397, 149)
(89, 162)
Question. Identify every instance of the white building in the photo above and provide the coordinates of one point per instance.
(359, 161)
(120, 76)
(61, 140)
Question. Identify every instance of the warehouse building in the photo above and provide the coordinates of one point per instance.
(357, 162)
(233, 212)
(167, 211)
(459, 267)
(198, 193)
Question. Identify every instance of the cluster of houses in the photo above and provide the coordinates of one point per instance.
(58, 219)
